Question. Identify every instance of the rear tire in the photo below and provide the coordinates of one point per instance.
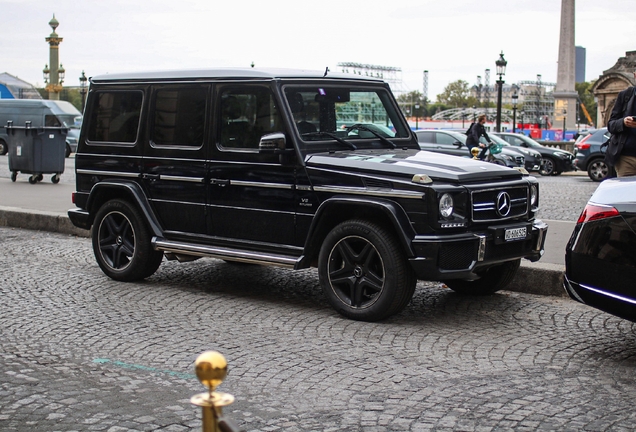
(4, 148)
(597, 170)
(491, 280)
(67, 152)
(363, 271)
(121, 242)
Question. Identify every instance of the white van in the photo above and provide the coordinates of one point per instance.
(40, 113)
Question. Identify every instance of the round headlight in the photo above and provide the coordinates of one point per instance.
(446, 206)
(534, 193)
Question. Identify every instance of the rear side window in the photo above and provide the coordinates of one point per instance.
(114, 116)
(442, 138)
(179, 117)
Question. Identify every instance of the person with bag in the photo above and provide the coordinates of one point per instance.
(621, 149)
(474, 133)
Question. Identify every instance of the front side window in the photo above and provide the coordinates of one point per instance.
(179, 117)
(114, 116)
(347, 113)
(247, 113)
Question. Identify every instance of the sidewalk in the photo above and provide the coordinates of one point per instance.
(43, 206)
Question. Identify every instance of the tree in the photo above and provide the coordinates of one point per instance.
(456, 94)
(586, 97)
(71, 95)
(408, 102)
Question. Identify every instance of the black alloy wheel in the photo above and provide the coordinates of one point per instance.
(547, 167)
(121, 243)
(363, 271)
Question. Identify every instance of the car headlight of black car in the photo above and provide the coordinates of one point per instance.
(563, 155)
(446, 206)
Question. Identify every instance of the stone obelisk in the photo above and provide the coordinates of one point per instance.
(565, 95)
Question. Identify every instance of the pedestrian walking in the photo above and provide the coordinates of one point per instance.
(475, 132)
(621, 150)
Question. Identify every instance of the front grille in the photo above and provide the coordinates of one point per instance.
(520, 160)
(457, 256)
(485, 204)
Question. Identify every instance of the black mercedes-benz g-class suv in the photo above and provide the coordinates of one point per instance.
(295, 169)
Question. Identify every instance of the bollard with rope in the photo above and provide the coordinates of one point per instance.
(211, 369)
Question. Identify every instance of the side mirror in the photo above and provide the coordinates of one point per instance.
(273, 143)
(457, 144)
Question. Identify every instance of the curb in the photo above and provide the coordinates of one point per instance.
(532, 278)
(40, 221)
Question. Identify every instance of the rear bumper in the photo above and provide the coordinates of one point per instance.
(460, 256)
(602, 299)
(80, 218)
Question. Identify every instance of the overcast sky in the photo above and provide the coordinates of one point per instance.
(452, 39)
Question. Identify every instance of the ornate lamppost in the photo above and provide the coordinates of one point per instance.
(83, 88)
(521, 113)
(417, 115)
(54, 76)
(515, 98)
(564, 117)
(501, 71)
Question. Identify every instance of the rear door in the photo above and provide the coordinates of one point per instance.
(174, 163)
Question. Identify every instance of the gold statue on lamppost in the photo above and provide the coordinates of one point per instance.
(54, 76)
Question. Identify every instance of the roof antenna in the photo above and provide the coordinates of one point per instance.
(326, 71)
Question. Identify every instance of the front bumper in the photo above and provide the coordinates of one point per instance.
(460, 256)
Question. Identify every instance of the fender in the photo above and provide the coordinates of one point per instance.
(124, 189)
(392, 210)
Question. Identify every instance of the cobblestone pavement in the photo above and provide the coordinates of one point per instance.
(80, 352)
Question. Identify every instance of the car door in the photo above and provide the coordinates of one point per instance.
(251, 195)
(174, 163)
(449, 144)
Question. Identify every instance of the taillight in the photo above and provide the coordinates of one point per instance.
(583, 145)
(593, 212)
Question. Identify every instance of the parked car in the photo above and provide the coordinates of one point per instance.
(454, 143)
(554, 161)
(589, 156)
(532, 158)
(600, 258)
(287, 168)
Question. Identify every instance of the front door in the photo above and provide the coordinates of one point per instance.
(252, 195)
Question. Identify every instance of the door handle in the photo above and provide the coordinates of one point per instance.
(220, 182)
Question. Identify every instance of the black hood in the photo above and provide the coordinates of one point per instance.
(406, 163)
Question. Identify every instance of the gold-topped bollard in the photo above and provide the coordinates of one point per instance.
(475, 152)
(211, 369)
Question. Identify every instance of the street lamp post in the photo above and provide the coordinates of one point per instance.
(515, 97)
(83, 89)
(417, 115)
(521, 113)
(463, 114)
(501, 71)
(474, 113)
(564, 117)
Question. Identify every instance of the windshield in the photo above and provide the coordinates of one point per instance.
(344, 114)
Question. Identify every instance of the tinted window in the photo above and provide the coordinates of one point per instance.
(247, 113)
(179, 116)
(425, 137)
(443, 138)
(114, 116)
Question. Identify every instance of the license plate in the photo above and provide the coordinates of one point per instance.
(515, 234)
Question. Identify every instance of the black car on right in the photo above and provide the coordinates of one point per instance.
(600, 257)
(555, 161)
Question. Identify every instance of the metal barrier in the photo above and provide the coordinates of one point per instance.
(211, 369)
(563, 145)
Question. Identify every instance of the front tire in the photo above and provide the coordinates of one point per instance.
(547, 167)
(491, 280)
(121, 243)
(363, 271)
(4, 148)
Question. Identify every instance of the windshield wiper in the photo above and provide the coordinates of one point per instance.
(330, 135)
(367, 129)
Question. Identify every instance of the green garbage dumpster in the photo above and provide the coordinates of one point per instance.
(36, 151)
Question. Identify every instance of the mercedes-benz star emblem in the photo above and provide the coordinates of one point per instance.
(503, 204)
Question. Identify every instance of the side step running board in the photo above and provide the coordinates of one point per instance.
(229, 254)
